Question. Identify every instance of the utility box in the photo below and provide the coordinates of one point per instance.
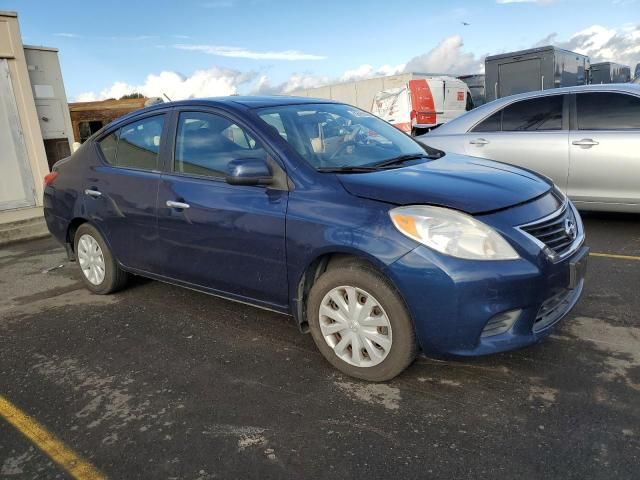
(534, 69)
(476, 87)
(609, 72)
(50, 100)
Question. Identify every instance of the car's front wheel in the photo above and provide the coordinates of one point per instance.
(99, 269)
(360, 323)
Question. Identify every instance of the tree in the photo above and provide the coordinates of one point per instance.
(131, 95)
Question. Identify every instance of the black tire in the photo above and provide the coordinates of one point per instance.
(114, 277)
(360, 275)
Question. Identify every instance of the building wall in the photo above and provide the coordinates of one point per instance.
(11, 49)
(104, 111)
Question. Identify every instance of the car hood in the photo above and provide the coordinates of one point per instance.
(469, 184)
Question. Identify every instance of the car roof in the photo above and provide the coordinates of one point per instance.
(233, 102)
(603, 87)
(464, 122)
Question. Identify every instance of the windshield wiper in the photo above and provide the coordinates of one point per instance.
(375, 167)
(400, 159)
(347, 169)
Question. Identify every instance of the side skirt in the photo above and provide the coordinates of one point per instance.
(281, 309)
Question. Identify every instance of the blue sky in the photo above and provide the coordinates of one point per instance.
(260, 45)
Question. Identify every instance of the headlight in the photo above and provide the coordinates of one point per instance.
(452, 233)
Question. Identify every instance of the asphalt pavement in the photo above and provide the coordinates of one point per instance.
(163, 382)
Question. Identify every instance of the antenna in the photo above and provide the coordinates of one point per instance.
(166, 96)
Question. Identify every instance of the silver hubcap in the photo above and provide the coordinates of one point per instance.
(356, 326)
(91, 259)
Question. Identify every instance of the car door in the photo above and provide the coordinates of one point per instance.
(604, 149)
(531, 133)
(227, 238)
(121, 190)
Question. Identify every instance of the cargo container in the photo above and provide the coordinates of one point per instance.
(534, 69)
(609, 72)
(413, 102)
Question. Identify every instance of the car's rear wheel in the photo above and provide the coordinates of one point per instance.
(360, 324)
(100, 271)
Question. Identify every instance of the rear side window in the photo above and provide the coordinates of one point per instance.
(536, 114)
(491, 124)
(136, 145)
(139, 144)
(108, 145)
(607, 111)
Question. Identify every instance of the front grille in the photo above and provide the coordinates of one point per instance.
(556, 232)
(554, 307)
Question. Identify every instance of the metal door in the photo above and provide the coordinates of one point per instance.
(16, 181)
(519, 77)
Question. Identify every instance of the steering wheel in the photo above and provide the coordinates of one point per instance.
(342, 148)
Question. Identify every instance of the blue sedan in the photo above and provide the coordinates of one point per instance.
(374, 243)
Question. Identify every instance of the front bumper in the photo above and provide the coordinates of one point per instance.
(451, 301)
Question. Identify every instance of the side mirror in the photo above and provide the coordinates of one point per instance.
(248, 171)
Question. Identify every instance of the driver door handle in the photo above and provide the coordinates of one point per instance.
(479, 141)
(585, 142)
(92, 193)
(179, 205)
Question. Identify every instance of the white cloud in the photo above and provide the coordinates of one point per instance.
(367, 71)
(67, 35)
(447, 57)
(603, 44)
(202, 83)
(298, 81)
(238, 52)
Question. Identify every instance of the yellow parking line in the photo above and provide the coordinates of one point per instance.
(611, 255)
(58, 452)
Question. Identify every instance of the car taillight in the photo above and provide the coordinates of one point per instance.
(49, 178)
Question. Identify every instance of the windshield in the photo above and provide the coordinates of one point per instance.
(339, 136)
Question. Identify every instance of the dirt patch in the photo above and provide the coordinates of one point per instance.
(620, 344)
(14, 465)
(381, 394)
(107, 398)
(247, 436)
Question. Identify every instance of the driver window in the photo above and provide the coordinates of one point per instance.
(206, 143)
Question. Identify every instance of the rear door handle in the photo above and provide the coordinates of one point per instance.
(92, 193)
(179, 205)
(479, 141)
(585, 142)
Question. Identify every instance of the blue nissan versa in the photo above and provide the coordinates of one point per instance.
(376, 244)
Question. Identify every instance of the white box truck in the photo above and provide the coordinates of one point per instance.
(413, 102)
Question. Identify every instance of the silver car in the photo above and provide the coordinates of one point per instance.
(585, 138)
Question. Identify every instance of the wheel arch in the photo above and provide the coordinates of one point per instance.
(317, 266)
(74, 224)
